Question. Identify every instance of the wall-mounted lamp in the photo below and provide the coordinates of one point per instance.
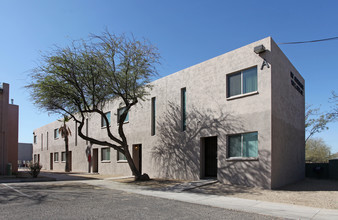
(259, 49)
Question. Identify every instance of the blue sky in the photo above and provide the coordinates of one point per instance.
(186, 33)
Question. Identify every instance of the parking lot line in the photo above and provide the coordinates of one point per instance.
(18, 191)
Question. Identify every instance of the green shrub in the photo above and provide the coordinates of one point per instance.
(34, 169)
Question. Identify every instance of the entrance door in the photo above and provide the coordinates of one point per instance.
(137, 156)
(70, 161)
(95, 161)
(210, 156)
(51, 161)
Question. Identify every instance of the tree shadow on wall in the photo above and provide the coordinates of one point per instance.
(177, 153)
(247, 172)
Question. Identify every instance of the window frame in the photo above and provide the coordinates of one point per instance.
(102, 155)
(56, 157)
(153, 116)
(183, 109)
(56, 133)
(63, 153)
(241, 72)
(242, 144)
(119, 157)
(103, 125)
(118, 115)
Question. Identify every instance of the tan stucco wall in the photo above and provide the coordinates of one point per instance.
(288, 122)
(172, 153)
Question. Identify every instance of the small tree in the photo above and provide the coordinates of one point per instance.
(79, 80)
(65, 133)
(317, 151)
(316, 122)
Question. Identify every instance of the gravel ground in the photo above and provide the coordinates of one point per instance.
(309, 192)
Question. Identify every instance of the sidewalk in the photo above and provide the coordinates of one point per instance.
(182, 192)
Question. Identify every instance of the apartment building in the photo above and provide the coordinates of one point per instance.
(238, 117)
(9, 123)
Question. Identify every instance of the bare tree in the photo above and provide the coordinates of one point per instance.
(80, 79)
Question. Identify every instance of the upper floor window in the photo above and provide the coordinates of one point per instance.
(56, 133)
(120, 112)
(153, 115)
(242, 82)
(183, 109)
(34, 139)
(243, 145)
(103, 121)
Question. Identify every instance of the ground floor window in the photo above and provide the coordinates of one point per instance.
(56, 157)
(63, 156)
(105, 153)
(121, 156)
(243, 145)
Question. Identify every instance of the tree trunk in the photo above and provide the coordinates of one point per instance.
(131, 163)
(67, 168)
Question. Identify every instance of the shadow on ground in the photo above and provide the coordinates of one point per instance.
(43, 193)
(44, 176)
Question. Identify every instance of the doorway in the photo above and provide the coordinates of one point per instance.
(95, 161)
(51, 161)
(210, 157)
(137, 156)
(70, 161)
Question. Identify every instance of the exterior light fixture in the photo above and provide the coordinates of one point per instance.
(259, 49)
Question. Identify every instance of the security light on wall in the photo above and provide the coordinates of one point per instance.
(259, 49)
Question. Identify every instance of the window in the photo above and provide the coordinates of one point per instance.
(105, 153)
(56, 133)
(63, 156)
(153, 116)
(242, 82)
(47, 140)
(35, 158)
(121, 156)
(56, 157)
(34, 139)
(76, 133)
(243, 145)
(42, 142)
(120, 112)
(103, 122)
(183, 109)
(87, 129)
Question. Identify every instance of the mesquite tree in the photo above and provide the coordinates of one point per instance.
(80, 79)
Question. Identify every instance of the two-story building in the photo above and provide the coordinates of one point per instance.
(238, 117)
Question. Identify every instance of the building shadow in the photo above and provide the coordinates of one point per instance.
(177, 153)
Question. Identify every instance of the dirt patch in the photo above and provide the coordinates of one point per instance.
(153, 183)
(309, 192)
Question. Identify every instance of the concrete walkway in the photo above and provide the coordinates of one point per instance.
(245, 205)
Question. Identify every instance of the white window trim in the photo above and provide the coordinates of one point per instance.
(242, 94)
(241, 158)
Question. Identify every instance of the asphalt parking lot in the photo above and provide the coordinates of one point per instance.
(75, 200)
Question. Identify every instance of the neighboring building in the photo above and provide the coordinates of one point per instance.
(9, 121)
(25, 152)
(238, 117)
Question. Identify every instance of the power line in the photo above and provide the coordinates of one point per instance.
(310, 41)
